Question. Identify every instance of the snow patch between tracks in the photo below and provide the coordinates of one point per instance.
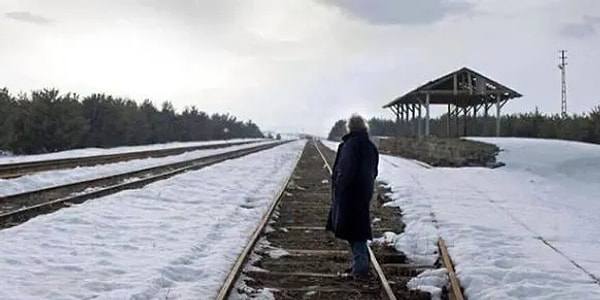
(243, 290)
(431, 281)
(418, 241)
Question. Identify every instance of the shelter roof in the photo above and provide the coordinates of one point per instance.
(463, 87)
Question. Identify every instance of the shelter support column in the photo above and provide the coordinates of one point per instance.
(454, 92)
(448, 122)
(465, 125)
(419, 121)
(412, 120)
(409, 123)
(474, 125)
(396, 111)
(456, 115)
(497, 115)
(402, 113)
(486, 107)
(427, 114)
(407, 119)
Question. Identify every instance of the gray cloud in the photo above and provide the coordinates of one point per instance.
(578, 30)
(390, 12)
(25, 16)
(584, 29)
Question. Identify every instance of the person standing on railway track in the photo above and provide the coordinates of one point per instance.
(353, 179)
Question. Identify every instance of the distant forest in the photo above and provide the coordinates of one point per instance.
(48, 121)
(584, 128)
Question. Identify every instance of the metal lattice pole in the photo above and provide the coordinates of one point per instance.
(563, 68)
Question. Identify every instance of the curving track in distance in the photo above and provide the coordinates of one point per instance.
(14, 170)
(18, 208)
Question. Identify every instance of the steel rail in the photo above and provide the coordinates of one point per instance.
(455, 291)
(13, 170)
(23, 214)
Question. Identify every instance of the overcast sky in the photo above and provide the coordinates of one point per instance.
(298, 65)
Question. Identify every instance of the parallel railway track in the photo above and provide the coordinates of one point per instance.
(14, 170)
(291, 256)
(18, 208)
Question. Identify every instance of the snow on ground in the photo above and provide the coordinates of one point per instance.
(102, 151)
(63, 176)
(571, 164)
(492, 220)
(331, 145)
(174, 239)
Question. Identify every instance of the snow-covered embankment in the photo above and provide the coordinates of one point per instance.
(498, 223)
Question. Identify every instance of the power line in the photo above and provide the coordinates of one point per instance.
(563, 72)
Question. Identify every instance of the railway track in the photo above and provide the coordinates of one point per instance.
(291, 255)
(18, 208)
(14, 170)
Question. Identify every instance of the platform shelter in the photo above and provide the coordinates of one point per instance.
(464, 92)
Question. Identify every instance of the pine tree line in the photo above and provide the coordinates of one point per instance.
(585, 127)
(48, 121)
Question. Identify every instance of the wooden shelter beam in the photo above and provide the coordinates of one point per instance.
(427, 115)
(486, 108)
(448, 116)
(497, 115)
(401, 109)
(407, 120)
(456, 114)
(396, 110)
(419, 121)
(474, 118)
(476, 108)
(458, 93)
(412, 120)
(404, 119)
(465, 112)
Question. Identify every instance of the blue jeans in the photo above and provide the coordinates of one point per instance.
(360, 257)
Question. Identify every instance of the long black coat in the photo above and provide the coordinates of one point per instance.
(353, 179)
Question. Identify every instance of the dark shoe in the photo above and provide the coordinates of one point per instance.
(360, 276)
